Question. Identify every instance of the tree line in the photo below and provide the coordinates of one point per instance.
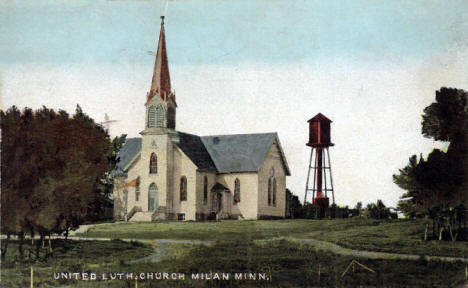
(55, 172)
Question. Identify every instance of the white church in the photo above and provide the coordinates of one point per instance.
(169, 175)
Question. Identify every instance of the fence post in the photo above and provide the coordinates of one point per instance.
(32, 277)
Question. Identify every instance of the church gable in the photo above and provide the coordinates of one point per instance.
(278, 150)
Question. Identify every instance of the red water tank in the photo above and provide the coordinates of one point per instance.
(319, 131)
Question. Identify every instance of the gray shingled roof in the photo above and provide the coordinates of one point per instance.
(219, 153)
(193, 147)
(128, 151)
(238, 153)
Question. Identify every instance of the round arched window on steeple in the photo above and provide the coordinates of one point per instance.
(152, 117)
(159, 117)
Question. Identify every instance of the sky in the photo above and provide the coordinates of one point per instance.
(250, 66)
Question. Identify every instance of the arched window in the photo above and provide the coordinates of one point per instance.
(152, 197)
(183, 188)
(152, 117)
(205, 190)
(270, 184)
(272, 188)
(236, 191)
(153, 163)
(159, 117)
(171, 118)
(137, 189)
(125, 198)
(274, 191)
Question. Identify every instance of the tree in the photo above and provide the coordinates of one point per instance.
(447, 120)
(377, 210)
(358, 207)
(436, 186)
(293, 205)
(101, 208)
(51, 166)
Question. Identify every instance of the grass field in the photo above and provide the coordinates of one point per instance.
(398, 236)
(74, 256)
(234, 249)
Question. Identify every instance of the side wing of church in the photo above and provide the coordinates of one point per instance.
(171, 175)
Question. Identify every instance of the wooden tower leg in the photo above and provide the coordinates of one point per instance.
(325, 174)
(331, 177)
(308, 176)
(314, 187)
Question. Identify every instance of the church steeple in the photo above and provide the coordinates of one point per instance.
(160, 101)
(161, 83)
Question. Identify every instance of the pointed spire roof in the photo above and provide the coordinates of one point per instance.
(161, 83)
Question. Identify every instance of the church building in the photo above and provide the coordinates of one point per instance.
(169, 175)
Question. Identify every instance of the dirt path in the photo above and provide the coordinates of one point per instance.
(161, 247)
(161, 250)
(334, 248)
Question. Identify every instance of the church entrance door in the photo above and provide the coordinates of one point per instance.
(152, 197)
(219, 202)
(216, 202)
(220, 194)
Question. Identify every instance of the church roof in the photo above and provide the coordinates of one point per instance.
(240, 152)
(194, 148)
(127, 153)
(218, 153)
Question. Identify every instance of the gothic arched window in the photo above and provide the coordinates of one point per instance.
(274, 191)
(205, 190)
(270, 188)
(236, 191)
(159, 117)
(125, 198)
(152, 197)
(171, 118)
(183, 188)
(151, 117)
(153, 163)
(137, 189)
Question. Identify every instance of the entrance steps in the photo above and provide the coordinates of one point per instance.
(142, 216)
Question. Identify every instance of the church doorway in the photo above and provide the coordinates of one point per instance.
(220, 197)
(219, 202)
(152, 197)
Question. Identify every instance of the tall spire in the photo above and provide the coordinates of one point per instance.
(161, 83)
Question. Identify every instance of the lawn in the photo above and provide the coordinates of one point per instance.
(234, 249)
(284, 263)
(66, 256)
(398, 236)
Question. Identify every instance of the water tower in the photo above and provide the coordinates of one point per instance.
(319, 163)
